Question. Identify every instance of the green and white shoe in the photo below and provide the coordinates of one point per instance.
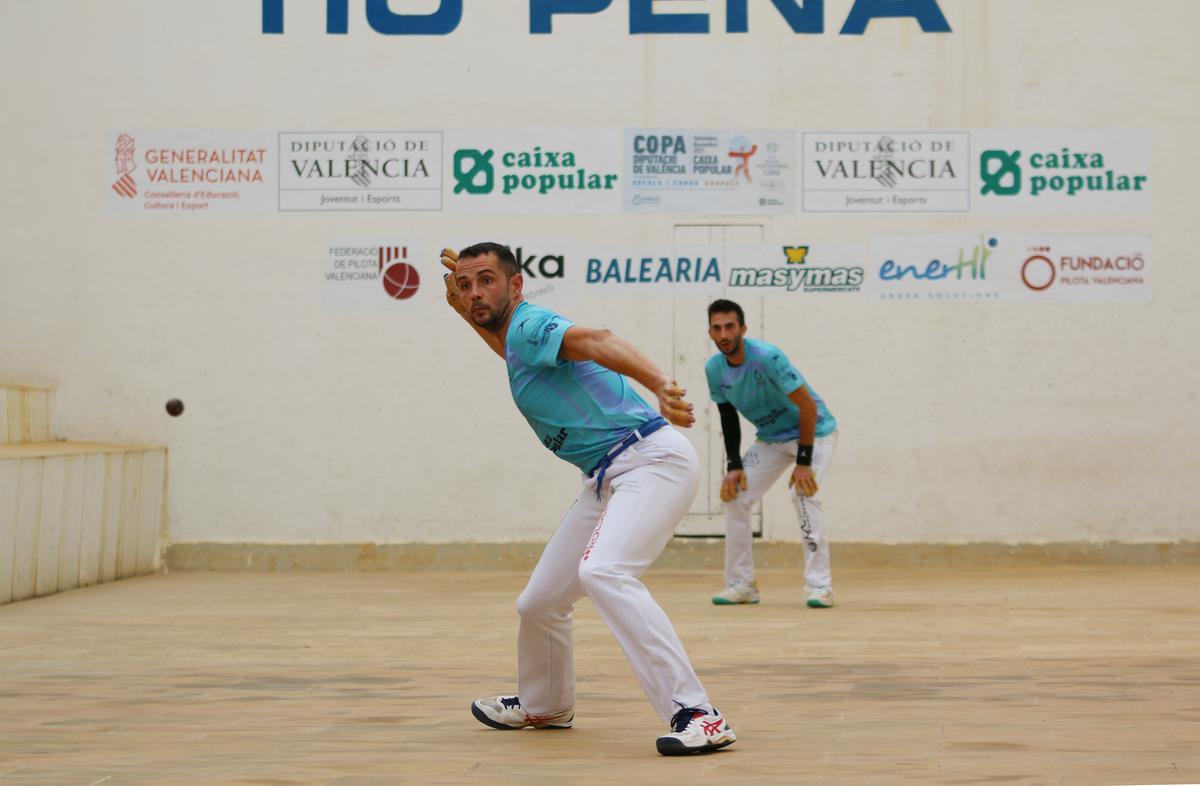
(734, 594)
(820, 597)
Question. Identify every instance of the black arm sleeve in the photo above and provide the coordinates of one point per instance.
(731, 429)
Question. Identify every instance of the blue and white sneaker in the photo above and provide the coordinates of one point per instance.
(694, 730)
(506, 712)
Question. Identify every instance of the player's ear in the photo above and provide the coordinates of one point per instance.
(516, 284)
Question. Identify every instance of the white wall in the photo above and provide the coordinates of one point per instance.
(960, 422)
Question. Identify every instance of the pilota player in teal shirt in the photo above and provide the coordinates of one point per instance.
(795, 431)
(639, 477)
(578, 410)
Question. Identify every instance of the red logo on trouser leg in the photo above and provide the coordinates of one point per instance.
(595, 536)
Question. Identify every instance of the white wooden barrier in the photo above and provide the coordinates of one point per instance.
(72, 514)
(24, 414)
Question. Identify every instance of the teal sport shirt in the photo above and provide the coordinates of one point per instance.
(579, 410)
(759, 390)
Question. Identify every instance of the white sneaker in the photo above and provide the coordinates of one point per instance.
(741, 592)
(819, 597)
(505, 712)
(694, 731)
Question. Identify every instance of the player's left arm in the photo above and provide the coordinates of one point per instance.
(613, 352)
(802, 476)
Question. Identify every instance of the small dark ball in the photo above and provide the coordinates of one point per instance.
(174, 407)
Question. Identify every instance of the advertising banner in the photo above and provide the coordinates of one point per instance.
(709, 171)
(1093, 171)
(532, 171)
(392, 274)
(360, 170)
(193, 172)
(945, 267)
(796, 269)
(886, 172)
(1080, 269)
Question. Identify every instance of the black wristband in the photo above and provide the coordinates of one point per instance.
(804, 456)
(734, 463)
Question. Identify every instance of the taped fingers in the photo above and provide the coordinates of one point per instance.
(673, 406)
(450, 262)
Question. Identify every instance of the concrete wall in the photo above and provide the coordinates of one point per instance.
(959, 422)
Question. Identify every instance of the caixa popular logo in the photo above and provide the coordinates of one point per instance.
(1064, 171)
(803, 16)
(535, 171)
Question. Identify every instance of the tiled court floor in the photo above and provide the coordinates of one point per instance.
(1039, 676)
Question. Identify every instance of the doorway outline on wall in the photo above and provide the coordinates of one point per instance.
(691, 348)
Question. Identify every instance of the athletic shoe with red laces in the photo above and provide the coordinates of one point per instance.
(694, 730)
(506, 712)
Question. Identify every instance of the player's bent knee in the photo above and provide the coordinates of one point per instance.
(593, 576)
(529, 605)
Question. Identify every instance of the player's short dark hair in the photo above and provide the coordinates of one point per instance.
(508, 262)
(722, 306)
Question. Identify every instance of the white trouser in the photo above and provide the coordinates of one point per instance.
(763, 463)
(600, 549)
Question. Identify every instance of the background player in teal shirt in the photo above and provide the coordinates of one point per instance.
(795, 431)
(639, 477)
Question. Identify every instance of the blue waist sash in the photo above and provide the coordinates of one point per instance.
(636, 436)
